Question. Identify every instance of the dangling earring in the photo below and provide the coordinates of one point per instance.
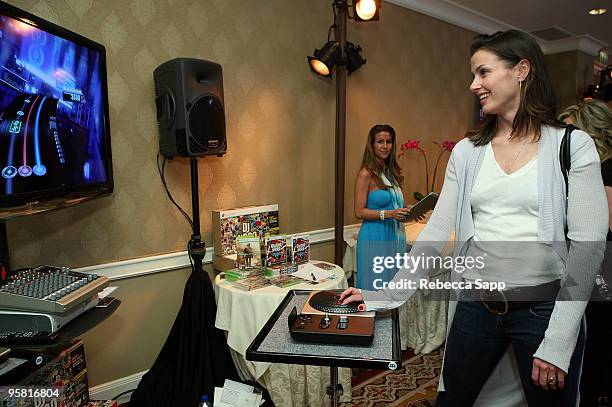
(521, 87)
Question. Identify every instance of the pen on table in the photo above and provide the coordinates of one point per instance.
(313, 277)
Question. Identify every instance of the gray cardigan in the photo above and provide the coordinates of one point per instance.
(587, 222)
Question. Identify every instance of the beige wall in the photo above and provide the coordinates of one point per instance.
(280, 125)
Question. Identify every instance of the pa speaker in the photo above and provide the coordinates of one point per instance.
(190, 108)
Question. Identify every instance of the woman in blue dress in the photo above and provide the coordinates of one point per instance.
(380, 204)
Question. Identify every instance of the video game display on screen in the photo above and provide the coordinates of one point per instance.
(52, 133)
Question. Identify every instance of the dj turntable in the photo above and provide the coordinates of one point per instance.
(331, 329)
(325, 320)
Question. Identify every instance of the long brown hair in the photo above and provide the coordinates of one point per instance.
(538, 103)
(594, 118)
(393, 171)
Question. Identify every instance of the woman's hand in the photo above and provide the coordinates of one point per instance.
(399, 214)
(410, 215)
(350, 295)
(547, 375)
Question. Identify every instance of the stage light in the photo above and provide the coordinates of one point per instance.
(354, 60)
(597, 11)
(324, 59)
(366, 10)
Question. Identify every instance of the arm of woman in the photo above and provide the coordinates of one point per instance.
(362, 188)
(430, 242)
(587, 222)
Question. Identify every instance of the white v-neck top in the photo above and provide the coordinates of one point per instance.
(505, 207)
(505, 213)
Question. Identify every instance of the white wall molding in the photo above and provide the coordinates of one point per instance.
(107, 391)
(584, 43)
(454, 14)
(144, 265)
(472, 20)
(173, 261)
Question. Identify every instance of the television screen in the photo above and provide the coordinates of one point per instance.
(54, 131)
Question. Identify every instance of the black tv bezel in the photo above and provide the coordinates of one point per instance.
(43, 200)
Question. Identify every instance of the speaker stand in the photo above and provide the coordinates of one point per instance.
(196, 247)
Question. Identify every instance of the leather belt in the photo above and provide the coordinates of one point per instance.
(500, 302)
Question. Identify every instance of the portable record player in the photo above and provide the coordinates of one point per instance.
(325, 320)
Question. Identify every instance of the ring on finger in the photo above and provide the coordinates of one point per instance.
(552, 380)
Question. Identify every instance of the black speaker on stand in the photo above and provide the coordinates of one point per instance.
(190, 108)
(195, 357)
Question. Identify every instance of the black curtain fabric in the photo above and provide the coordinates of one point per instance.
(195, 357)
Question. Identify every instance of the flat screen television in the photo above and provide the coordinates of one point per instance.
(54, 128)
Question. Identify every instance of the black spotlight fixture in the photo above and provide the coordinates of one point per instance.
(366, 10)
(341, 52)
(324, 59)
(354, 59)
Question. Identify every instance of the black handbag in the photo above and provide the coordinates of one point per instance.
(565, 159)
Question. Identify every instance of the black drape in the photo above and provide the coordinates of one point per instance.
(195, 357)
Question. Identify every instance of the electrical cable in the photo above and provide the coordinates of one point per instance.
(331, 27)
(163, 179)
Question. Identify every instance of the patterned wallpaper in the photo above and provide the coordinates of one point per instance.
(280, 117)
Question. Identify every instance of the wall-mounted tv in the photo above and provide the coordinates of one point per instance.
(54, 128)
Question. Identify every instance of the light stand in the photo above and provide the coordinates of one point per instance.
(340, 21)
(334, 390)
(346, 57)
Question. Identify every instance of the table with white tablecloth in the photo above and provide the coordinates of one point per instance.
(242, 314)
(422, 318)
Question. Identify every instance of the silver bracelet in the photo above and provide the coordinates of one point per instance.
(382, 214)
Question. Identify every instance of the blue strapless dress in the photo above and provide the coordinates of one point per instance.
(379, 238)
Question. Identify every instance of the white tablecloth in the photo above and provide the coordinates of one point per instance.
(242, 314)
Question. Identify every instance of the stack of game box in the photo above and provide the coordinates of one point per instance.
(276, 250)
(254, 222)
(300, 249)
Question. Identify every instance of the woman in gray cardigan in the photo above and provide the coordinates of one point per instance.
(504, 195)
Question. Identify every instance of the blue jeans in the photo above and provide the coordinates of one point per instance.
(478, 339)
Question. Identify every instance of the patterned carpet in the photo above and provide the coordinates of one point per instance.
(414, 385)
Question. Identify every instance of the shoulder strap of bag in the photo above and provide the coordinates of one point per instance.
(565, 159)
(565, 156)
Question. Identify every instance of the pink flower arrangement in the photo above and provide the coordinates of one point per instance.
(411, 145)
(447, 145)
(415, 145)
